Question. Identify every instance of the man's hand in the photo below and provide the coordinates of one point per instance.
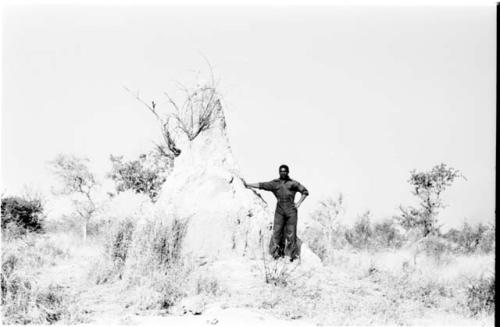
(302, 198)
(249, 185)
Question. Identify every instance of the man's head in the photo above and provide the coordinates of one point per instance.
(284, 171)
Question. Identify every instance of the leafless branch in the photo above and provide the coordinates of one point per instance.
(167, 136)
(197, 113)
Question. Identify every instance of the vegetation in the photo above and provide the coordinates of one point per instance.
(77, 181)
(428, 187)
(481, 295)
(326, 233)
(471, 239)
(136, 256)
(200, 109)
(143, 175)
(25, 298)
(21, 215)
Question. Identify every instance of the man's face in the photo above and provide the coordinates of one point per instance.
(283, 173)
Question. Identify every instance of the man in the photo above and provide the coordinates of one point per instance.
(285, 216)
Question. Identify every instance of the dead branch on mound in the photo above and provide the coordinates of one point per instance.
(198, 112)
(200, 109)
(173, 150)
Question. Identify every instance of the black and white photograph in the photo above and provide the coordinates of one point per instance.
(254, 164)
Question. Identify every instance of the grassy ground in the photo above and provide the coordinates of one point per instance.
(57, 279)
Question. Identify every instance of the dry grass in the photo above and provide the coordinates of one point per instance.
(139, 268)
(27, 295)
(362, 288)
(145, 258)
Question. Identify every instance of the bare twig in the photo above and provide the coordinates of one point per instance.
(167, 136)
(197, 113)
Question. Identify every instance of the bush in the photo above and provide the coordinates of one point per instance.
(145, 175)
(471, 239)
(359, 236)
(481, 295)
(435, 247)
(278, 272)
(325, 233)
(208, 285)
(386, 234)
(19, 212)
(317, 241)
(487, 242)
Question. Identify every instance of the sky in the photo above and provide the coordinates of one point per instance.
(351, 98)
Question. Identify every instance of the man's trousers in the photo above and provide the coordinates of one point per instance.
(284, 238)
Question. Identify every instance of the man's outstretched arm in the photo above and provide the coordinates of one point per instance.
(249, 185)
(267, 186)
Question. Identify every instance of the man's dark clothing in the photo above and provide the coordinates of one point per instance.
(284, 238)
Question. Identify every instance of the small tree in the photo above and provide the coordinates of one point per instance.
(79, 182)
(428, 187)
(144, 175)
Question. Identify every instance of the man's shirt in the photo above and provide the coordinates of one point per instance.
(284, 190)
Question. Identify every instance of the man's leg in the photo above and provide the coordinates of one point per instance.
(291, 234)
(275, 245)
(282, 244)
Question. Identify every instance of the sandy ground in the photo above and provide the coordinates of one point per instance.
(212, 317)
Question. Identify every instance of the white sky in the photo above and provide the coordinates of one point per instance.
(351, 98)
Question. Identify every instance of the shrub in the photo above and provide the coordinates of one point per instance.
(278, 272)
(386, 234)
(145, 175)
(208, 285)
(488, 239)
(435, 247)
(25, 214)
(325, 232)
(471, 239)
(481, 295)
(359, 236)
